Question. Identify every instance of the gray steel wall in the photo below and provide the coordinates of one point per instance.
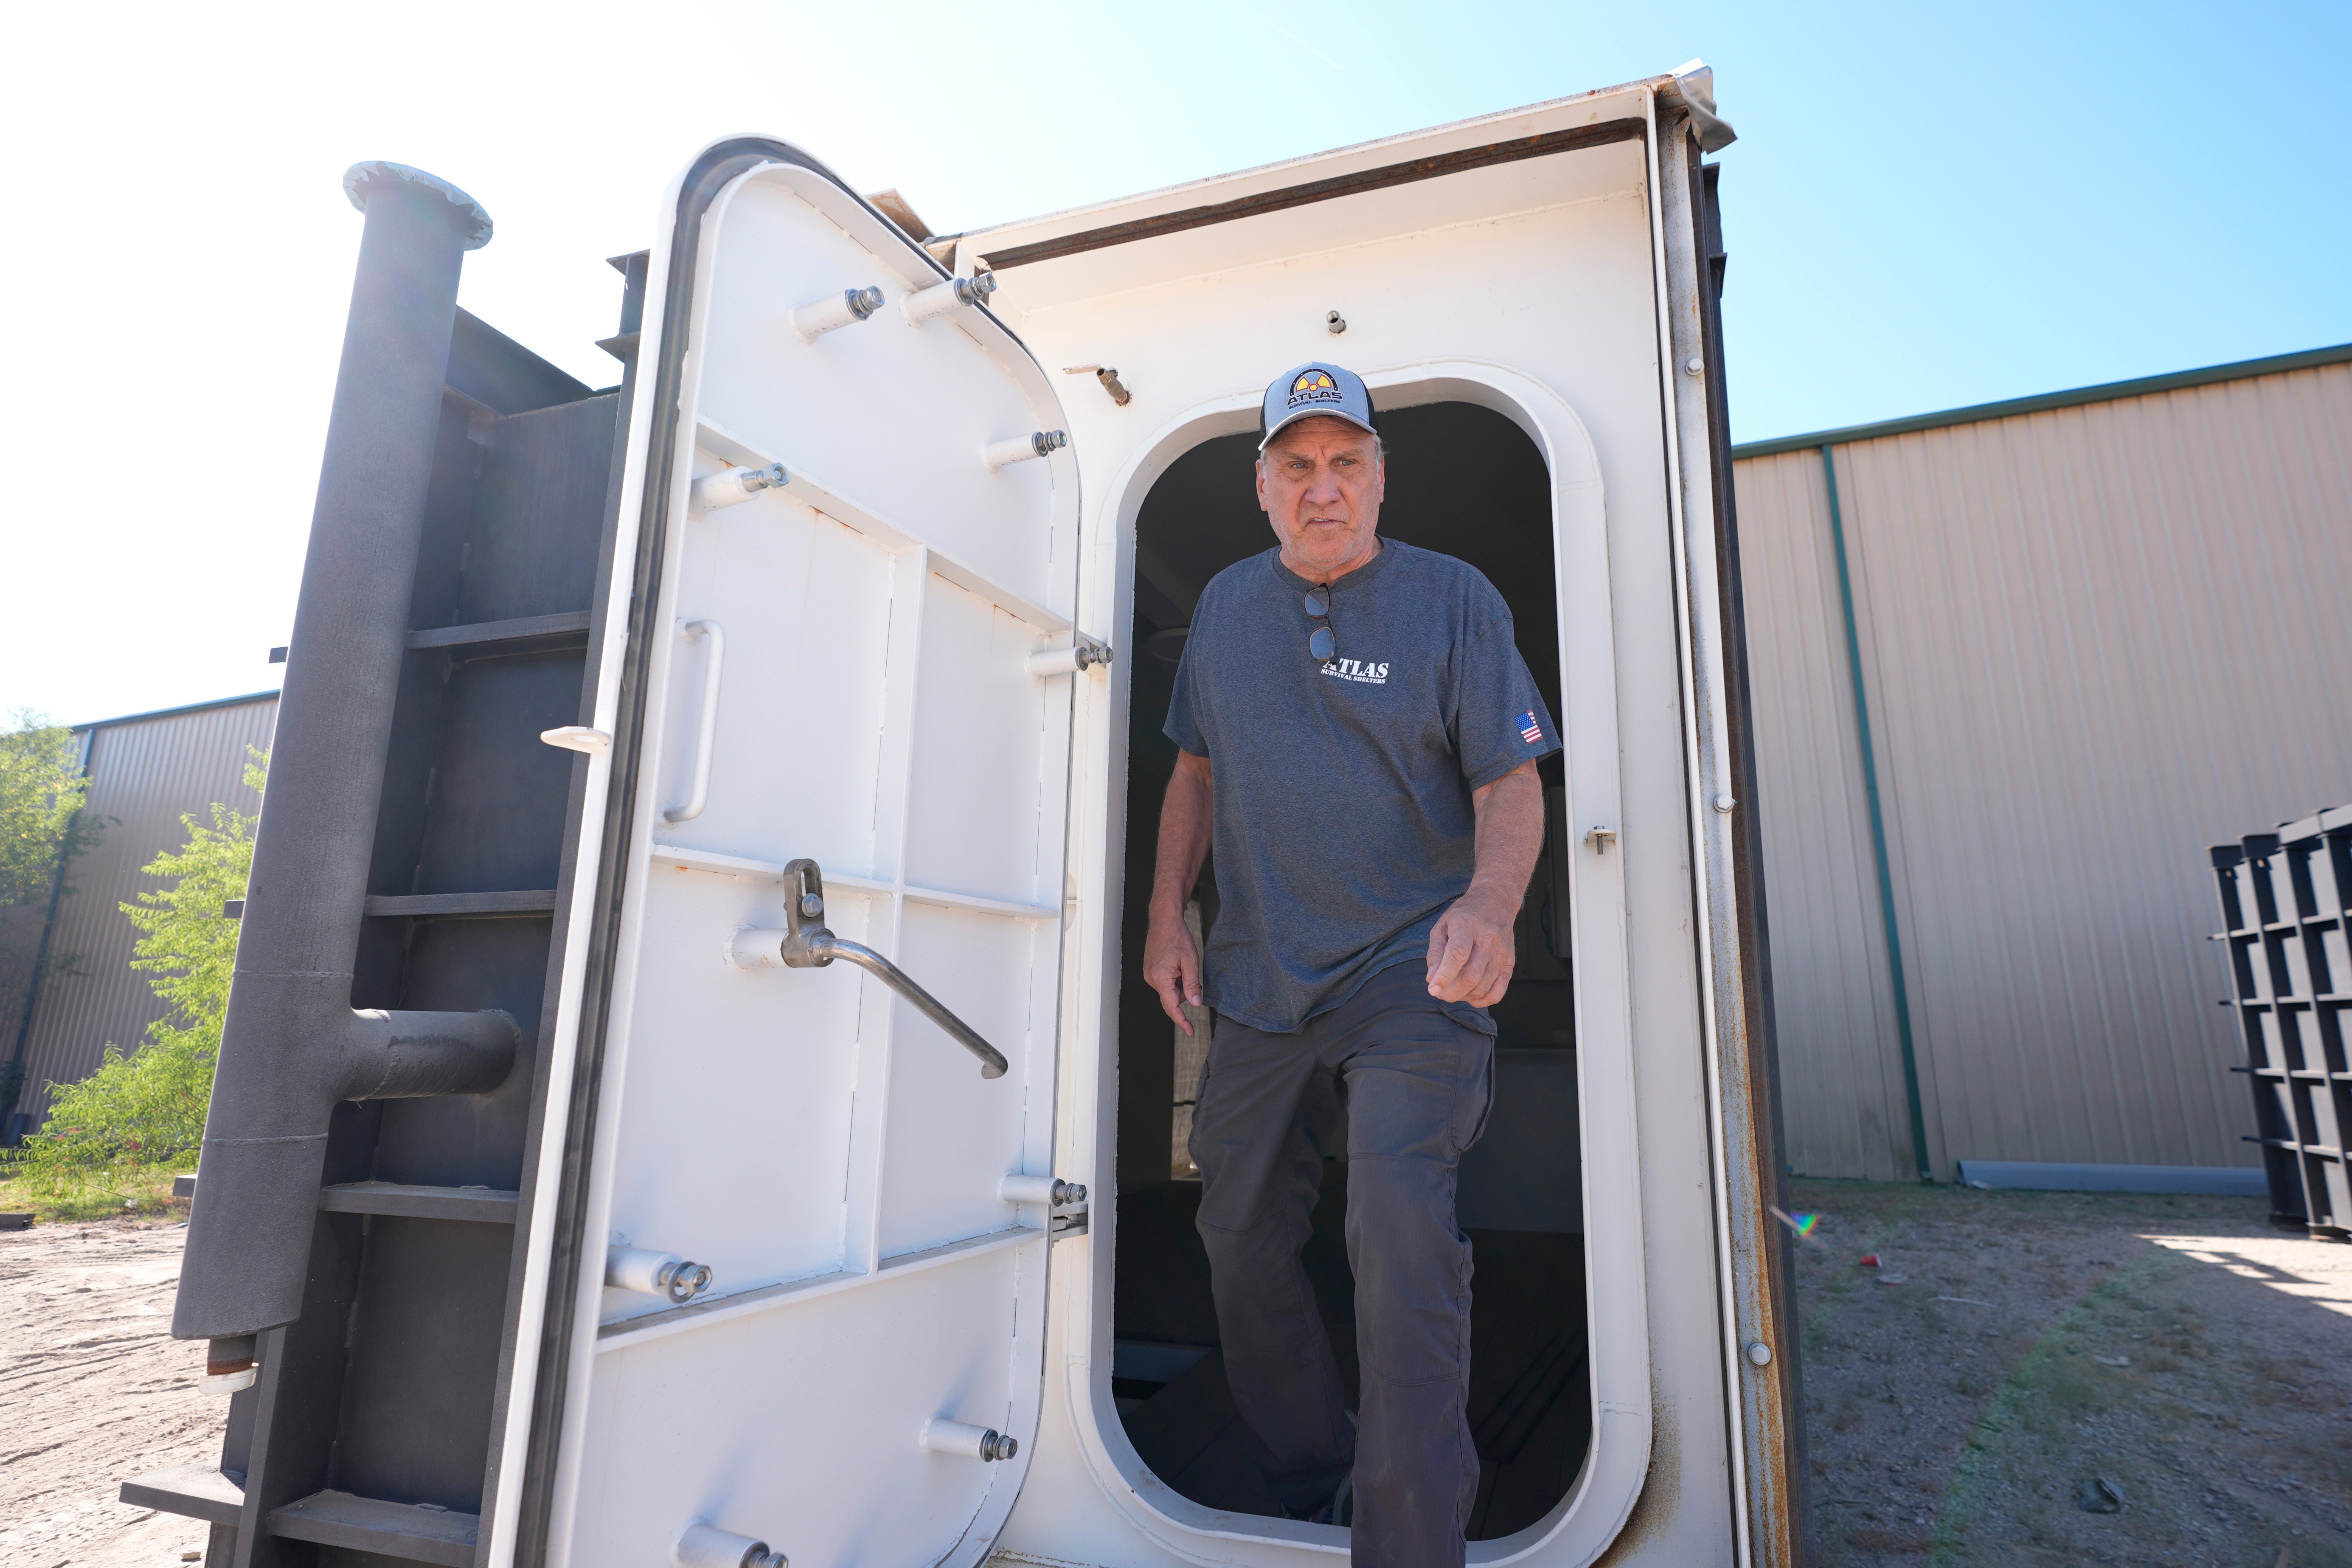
(145, 774)
(2094, 640)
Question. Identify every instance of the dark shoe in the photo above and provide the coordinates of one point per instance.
(1341, 1510)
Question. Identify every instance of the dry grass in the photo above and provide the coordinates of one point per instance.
(130, 1192)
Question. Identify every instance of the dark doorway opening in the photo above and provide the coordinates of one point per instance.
(1467, 481)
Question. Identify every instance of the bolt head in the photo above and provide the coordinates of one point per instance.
(811, 905)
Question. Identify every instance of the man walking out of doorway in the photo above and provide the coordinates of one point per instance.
(1359, 738)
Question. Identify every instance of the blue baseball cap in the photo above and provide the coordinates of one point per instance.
(1315, 389)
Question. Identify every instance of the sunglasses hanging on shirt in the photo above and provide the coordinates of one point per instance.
(1320, 642)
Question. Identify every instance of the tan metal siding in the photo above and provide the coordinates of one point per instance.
(2095, 641)
(144, 775)
(1841, 1076)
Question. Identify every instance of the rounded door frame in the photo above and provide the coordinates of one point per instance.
(1590, 1516)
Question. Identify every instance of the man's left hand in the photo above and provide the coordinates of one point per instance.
(1471, 952)
(1475, 943)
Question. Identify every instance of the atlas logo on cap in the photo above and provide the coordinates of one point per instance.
(1313, 389)
(1313, 385)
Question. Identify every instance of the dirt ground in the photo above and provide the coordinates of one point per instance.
(1965, 1400)
(2021, 1360)
(95, 1391)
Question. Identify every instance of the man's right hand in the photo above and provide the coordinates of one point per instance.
(1171, 960)
(1172, 966)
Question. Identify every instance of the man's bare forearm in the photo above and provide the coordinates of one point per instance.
(1510, 833)
(1186, 814)
(1471, 952)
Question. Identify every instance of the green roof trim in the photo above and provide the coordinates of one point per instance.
(2108, 392)
(175, 712)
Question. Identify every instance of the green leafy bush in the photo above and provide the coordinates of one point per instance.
(42, 828)
(41, 790)
(147, 1108)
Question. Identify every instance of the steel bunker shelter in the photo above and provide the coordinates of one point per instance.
(685, 1097)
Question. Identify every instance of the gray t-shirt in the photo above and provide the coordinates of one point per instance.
(1344, 826)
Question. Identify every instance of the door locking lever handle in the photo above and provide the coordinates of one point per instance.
(807, 945)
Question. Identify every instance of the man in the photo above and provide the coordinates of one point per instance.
(1358, 738)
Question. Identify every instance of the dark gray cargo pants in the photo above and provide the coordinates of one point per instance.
(1415, 1077)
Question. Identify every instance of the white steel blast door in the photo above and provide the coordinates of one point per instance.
(853, 662)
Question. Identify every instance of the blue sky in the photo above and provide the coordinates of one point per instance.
(1926, 208)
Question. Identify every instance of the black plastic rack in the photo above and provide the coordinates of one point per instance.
(2286, 904)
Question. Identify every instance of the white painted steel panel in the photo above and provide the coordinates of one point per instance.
(832, 1154)
(794, 235)
(735, 1130)
(940, 1128)
(978, 818)
(797, 754)
(792, 1425)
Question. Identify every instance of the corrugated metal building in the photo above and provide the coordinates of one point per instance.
(2062, 644)
(2089, 634)
(146, 772)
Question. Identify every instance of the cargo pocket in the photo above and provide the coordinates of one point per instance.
(1476, 1019)
(1474, 1100)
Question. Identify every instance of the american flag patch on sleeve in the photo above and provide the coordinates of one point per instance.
(1530, 730)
